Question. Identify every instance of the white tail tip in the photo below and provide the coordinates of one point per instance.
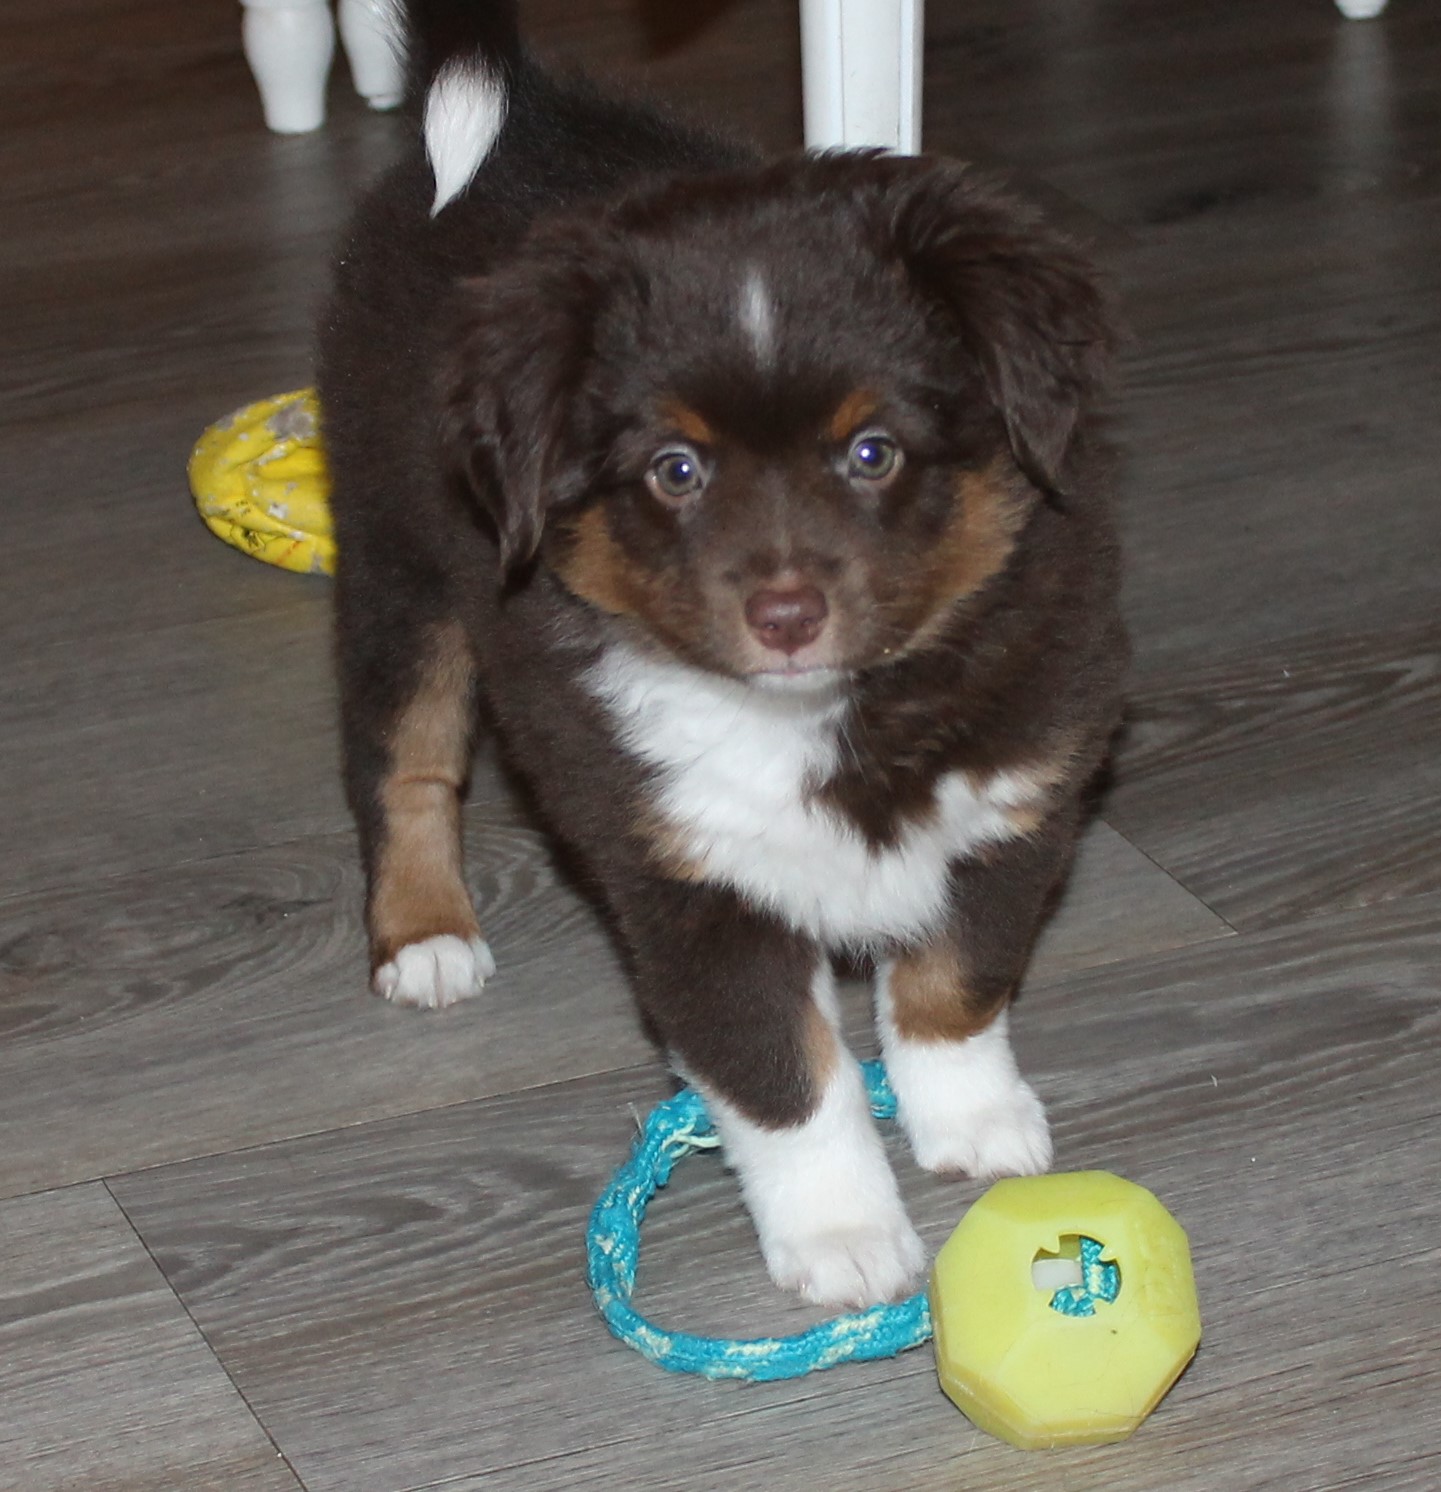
(464, 113)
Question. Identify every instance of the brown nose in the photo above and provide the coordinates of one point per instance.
(787, 620)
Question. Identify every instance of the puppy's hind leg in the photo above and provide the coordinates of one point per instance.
(408, 719)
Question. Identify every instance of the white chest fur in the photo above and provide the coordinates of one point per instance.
(737, 768)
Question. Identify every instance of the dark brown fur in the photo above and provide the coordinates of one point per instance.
(497, 383)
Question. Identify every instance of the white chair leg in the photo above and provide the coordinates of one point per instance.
(1360, 10)
(370, 35)
(861, 72)
(289, 44)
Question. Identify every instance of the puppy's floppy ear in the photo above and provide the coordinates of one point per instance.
(510, 424)
(1025, 301)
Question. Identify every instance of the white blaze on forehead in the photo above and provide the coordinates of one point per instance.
(758, 315)
(464, 112)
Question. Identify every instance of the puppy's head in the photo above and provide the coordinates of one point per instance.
(787, 421)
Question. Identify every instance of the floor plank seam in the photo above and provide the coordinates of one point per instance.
(200, 1332)
(1175, 880)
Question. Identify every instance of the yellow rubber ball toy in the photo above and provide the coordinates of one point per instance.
(1064, 1308)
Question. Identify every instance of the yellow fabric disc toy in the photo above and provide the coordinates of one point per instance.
(260, 483)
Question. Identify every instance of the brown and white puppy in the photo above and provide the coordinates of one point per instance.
(759, 505)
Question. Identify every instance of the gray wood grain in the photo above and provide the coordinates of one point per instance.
(105, 1383)
(1281, 1121)
(1283, 446)
(138, 554)
(213, 736)
(1295, 781)
(226, 1003)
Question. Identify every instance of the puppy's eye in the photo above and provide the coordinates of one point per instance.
(676, 476)
(873, 458)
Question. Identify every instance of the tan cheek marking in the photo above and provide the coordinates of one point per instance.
(930, 1000)
(988, 516)
(687, 421)
(419, 888)
(592, 565)
(854, 410)
(595, 568)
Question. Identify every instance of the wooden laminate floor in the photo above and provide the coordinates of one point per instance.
(260, 1231)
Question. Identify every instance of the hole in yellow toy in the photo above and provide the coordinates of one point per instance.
(1076, 1275)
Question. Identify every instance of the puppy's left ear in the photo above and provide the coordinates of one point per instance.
(510, 424)
(1026, 303)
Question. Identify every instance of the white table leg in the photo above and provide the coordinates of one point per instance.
(289, 44)
(861, 72)
(370, 35)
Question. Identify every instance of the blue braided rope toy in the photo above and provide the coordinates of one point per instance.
(675, 1129)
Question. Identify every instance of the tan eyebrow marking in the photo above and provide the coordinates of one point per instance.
(853, 411)
(685, 419)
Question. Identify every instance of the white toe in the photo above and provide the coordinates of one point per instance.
(436, 972)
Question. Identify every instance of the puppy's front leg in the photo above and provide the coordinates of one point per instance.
(747, 1008)
(941, 1010)
(407, 715)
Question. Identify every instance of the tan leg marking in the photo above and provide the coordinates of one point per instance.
(419, 890)
(822, 1048)
(930, 999)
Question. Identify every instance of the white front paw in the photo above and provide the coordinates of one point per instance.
(964, 1106)
(1001, 1136)
(848, 1266)
(436, 972)
(827, 1211)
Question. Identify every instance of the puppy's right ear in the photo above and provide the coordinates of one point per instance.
(521, 350)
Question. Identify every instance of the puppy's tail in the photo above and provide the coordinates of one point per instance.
(463, 56)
